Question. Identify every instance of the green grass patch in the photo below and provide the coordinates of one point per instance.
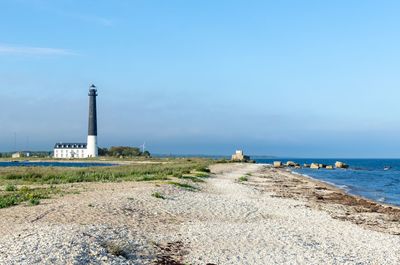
(151, 178)
(161, 169)
(192, 178)
(25, 194)
(183, 185)
(243, 178)
(202, 175)
(203, 169)
(34, 201)
(10, 187)
(158, 195)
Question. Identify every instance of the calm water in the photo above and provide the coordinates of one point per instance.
(365, 177)
(53, 164)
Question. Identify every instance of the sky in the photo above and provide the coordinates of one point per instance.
(282, 78)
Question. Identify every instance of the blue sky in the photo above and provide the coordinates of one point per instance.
(285, 78)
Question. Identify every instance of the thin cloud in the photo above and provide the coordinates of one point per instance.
(37, 51)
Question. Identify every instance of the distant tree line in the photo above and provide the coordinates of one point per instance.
(123, 151)
(41, 154)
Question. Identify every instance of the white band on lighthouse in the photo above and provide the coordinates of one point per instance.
(91, 149)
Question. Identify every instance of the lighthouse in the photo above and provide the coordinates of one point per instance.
(82, 150)
(91, 149)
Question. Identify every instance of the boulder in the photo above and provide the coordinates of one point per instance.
(306, 165)
(339, 164)
(314, 166)
(322, 165)
(290, 164)
(277, 164)
(329, 167)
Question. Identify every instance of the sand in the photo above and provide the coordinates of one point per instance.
(273, 218)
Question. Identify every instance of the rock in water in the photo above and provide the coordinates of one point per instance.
(314, 166)
(290, 164)
(339, 164)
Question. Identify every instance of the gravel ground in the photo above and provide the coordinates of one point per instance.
(227, 222)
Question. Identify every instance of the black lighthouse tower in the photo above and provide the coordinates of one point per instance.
(92, 150)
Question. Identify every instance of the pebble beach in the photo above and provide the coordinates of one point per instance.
(273, 217)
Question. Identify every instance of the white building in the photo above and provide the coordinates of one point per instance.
(70, 150)
(20, 154)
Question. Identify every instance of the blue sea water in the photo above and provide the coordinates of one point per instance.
(365, 177)
(53, 164)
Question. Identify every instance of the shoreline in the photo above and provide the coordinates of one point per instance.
(336, 201)
(344, 190)
(332, 186)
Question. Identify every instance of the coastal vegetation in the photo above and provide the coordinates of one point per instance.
(158, 195)
(243, 178)
(185, 186)
(25, 194)
(123, 151)
(16, 181)
(10, 187)
(35, 154)
(153, 170)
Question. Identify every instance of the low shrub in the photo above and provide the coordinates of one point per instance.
(158, 195)
(243, 178)
(10, 187)
(203, 169)
(183, 185)
(34, 201)
(192, 178)
(26, 194)
(202, 175)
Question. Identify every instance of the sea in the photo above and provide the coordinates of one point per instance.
(364, 177)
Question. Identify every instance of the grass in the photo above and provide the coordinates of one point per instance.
(243, 178)
(158, 195)
(159, 170)
(192, 178)
(194, 169)
(202, 174)
(34, 201)
(203, 169)
(10, 187)
(26, 194)
(183, 185)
